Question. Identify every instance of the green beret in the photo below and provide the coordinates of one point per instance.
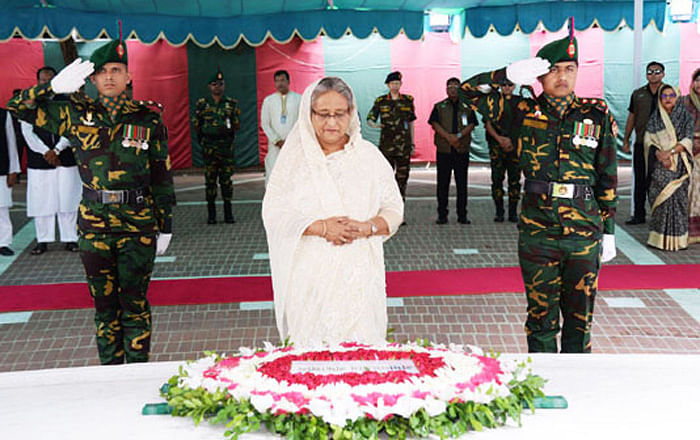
(113, 52)
(393, 76)
(557, 51)
(217, 76)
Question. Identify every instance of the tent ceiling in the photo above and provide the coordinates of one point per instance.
(229, 21)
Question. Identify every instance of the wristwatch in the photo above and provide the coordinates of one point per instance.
(374, 229)
(459, 135)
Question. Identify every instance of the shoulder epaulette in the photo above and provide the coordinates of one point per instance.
(151, 105)
(409, 97)
(598, 103)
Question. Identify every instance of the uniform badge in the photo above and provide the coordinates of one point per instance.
(135, 136)
(87, 119)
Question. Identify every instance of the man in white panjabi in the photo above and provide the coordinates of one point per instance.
(331, 202)
(9, 167)
(53, 182)
(278, 114)
(53, 188)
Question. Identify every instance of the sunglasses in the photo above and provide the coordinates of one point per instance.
(654, 72)
(668, 95)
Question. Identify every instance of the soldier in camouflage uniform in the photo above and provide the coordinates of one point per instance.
(125, 215)
(397, 114)
(216, 121)
(567, 152)
(502, 135)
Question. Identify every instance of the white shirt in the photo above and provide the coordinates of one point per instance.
(36, 144)
(11, 146)
(275, 125)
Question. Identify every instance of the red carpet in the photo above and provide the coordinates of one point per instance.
(399, 284)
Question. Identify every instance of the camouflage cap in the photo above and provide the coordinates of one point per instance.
(112, 52)
(216, 76)
(557, 51)
(393, 76)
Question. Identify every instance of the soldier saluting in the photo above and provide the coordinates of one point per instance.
(125, 215)
(567, 153)
(216, 121)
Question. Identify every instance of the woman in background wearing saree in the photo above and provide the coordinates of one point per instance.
(330, 203)
(692, 103)
(668, 149)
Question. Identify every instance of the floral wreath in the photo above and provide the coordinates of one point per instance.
(354, 391)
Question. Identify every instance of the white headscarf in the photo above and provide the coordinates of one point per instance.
(290, 205)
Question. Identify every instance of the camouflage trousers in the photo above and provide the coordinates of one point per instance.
(560, 276)
(402, 166)
(218, 166)
(502, 162)
(118, 269)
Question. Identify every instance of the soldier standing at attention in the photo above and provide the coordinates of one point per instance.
(502, 137)
(125, 215)
(567, 152)
(216, 121)
(396, 141)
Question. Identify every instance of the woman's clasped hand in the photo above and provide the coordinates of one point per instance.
(344, 230)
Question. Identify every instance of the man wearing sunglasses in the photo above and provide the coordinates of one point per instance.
(642, 104)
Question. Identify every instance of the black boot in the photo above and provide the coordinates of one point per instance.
(513, 212)
(211, 207)
(228, 213)
(499, 211)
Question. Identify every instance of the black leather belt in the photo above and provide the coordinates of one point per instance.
(128, 197)
(561, 190)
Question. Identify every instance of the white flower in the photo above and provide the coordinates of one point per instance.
(262, 402)
(475, 350)
(434, 407)
(245, 351)
(286, 405)
(268, 346)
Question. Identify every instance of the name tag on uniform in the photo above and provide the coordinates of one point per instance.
(283, 119)
(534, 123)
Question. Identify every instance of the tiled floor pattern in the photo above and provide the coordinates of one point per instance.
(49, 339)
(494, 322)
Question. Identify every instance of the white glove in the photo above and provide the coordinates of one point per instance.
(162, 242)
(527, 71)
(609, 250)
(72, 77)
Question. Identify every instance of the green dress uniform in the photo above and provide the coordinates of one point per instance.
(503, 162)
(395, 140)
(215, 125)
(568, 156)
(122, 156)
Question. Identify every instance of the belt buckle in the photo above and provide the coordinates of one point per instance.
(109, 197)
(563, 190)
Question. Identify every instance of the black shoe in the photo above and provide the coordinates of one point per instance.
(403, 223)
(72, 247)
(513, 212)
(6, 251)
(441, 221)
(464, 221)
(211, 209)
(635, 221)
(500, 213)
(228, 213)
(39, 249)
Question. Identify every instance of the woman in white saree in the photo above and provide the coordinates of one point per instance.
(330, 204)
